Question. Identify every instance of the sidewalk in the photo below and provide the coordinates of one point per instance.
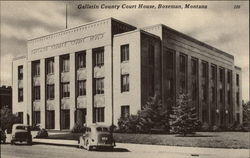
(195, 151)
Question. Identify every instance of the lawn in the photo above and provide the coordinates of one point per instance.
(201, 139)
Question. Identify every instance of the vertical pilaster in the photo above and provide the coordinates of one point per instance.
(57, 92)
(108, 85)
(189, 77)
(200, 89)
(72, 90)
(29, 92)
(42, 92)
(177, 57)
(209, 92)
(89, 87)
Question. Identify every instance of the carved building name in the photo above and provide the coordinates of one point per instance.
(68, 43)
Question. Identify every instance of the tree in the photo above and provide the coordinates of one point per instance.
(152, 116)
(246, 114)
(184, 118)
(7, 119)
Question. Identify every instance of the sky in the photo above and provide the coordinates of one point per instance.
(220, 25)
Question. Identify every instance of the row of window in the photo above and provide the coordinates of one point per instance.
(98, 116)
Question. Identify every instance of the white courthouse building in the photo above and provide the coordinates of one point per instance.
(107, 69)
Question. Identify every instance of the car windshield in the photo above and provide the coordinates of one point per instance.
(22, 127)
(102, 129)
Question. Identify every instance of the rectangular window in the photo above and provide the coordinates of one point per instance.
(37, 93)
(204, 69)
(50, 91)
(20, 72)
(229, 97)
(237, 79)
(170, 60)
(238, 98)
(182, 63)
(36, 117)
(194, 90)
(213, 72)
(221, 75)
(125, 111)
(50, 119)
(98, 115)
(194, 64)
(213, 90)
(50, 66)
(124, 53)
(151, 54)
(81, 87)
(98, 54)
(99, 86)
(81, 59)
(65, 89)
(204, 93)
(20, 116)
(125, 83)
(36, 68)
(229, 76)
(221, 96)
(20, 94)
(65, 63)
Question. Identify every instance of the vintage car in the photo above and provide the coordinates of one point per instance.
(2, 136)
(21, 133)
(96, 136)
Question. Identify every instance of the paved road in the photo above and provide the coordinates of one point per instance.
(42, 151)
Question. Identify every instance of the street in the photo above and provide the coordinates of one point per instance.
(41, 151)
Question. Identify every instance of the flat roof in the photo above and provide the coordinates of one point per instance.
(85, 24)
(192, 39)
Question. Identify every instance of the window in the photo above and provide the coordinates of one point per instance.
(221, 96)
(37, 93)
(20, 116)
(229, 97)
(204, 69)
(36, 68)
(99, 86)
(124, 53)
(20, 72)
(98, 115)
(170, 60)
(125, 111)
(50, 91)
(125, 83)
(36, 117)
(229, 76)
(151, 54)
(65, 63)
(238, 98)
(204, 93)
(237, 79)
(213, 89)
(194, 90)
(170, 88)
(182, 63)
(50, 66)
(50, 119)
(20, 94)
(221, 74)
(151, 83)
(213, 72)
(98, 54)
(81, 59)
(194, 66)
(81, 87)
(65, 89)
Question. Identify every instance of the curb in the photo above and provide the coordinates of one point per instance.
(56, 144)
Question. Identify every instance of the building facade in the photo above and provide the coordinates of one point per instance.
(107, 69)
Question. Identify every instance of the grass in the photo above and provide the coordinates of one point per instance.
(201, 139)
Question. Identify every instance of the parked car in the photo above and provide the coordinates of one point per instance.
(2, 136)
(96, 136)
(21, 133)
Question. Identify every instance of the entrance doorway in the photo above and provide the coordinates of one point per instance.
(65, 119)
